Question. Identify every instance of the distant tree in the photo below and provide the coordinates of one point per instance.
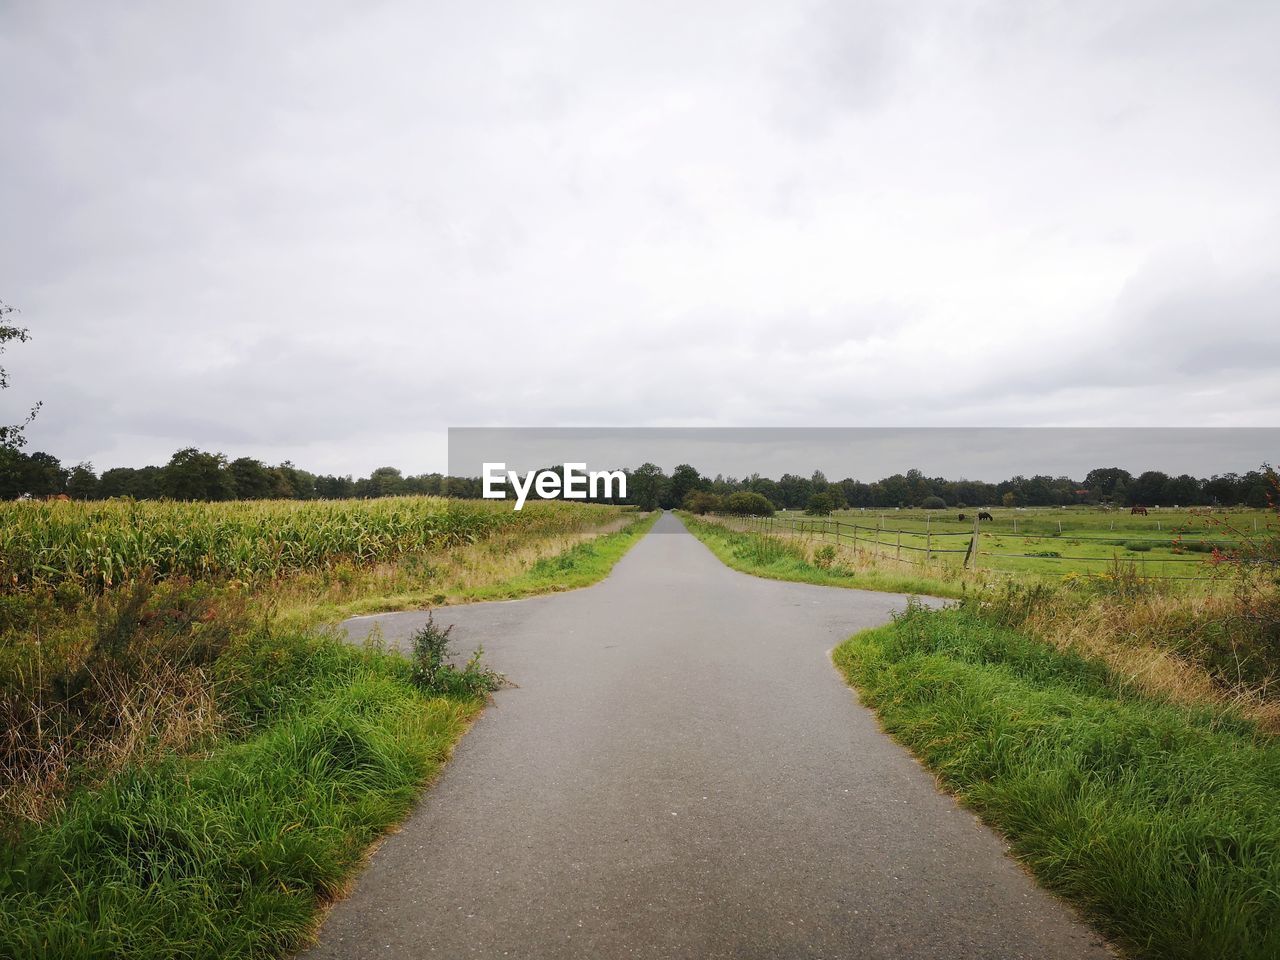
(933, 503)
(192, 474)
(44, 476)
(646, 486)
(1102, 482)
(250, 479)
(11, 435)
(383, 482)
(819, 505)
(82, 484)
(684, 480)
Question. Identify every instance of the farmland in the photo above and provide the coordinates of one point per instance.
(1173, 544)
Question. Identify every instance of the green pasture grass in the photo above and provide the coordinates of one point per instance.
(1167, 543)
(1161, 823)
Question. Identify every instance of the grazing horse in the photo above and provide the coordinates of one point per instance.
(962, 517)
(983, 515)
(1139, 510)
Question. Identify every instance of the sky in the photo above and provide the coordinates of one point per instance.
(327, 232)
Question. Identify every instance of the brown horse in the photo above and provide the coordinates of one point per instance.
(1140, 510)
(962, 517)
(983, 515)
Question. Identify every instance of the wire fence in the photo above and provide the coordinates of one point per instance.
(980, 547)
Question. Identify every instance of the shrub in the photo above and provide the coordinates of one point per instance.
(1137, 546)
(701, 501)
(747, 503)
(933, 503)
(824, 557)
(434, 674)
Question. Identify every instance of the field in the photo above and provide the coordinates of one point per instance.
(1173, 544)
(192, 762)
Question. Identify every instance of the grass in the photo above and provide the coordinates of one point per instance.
(187, 774)
(788, 558)
(510, 564)
(1047, 542)
(578, 566)
(230, 854)
(1161, 822)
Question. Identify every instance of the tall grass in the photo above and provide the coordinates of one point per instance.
(1163, 823)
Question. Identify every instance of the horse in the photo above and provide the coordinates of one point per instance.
(962, 517)
(983, 515)
(1139, 510)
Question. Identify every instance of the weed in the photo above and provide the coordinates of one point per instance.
(435, 675)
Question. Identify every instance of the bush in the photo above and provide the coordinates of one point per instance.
(746, 503)
(433, 673)
(933, 503)
(824, 557)
(701, 501)
(1137, 546)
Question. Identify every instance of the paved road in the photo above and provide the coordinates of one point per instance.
(681, 773)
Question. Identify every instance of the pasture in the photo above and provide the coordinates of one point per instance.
(1167, 543)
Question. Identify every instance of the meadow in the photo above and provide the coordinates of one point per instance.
(1167, 543)
(193, 761)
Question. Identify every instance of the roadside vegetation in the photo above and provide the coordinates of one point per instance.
(1160, 820)
(789, 558)
(191, 763)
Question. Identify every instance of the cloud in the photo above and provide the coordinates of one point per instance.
(329, 231)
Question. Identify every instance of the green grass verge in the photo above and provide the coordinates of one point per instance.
(579, 566)
(781, 558)
(231, 854)
(1162, 824)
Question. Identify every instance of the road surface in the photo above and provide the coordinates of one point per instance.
(682, 773)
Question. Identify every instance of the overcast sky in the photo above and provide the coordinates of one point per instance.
(328, 231)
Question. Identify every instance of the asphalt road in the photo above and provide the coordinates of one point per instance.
(682, 773)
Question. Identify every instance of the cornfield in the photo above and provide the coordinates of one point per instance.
(100, 545)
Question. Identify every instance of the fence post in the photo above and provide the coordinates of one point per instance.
(898, 553)
(973, 544)
(855, 541)
(928, 545)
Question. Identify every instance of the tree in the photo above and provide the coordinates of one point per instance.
(819, 505)
(82, 484)
(192, 474)
(250, 479)
(933, 503)
(44, 475)
(1102, 482)
(646, 486)
(11, 435)
(684, 480)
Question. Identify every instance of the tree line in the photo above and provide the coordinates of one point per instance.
(193, 474)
